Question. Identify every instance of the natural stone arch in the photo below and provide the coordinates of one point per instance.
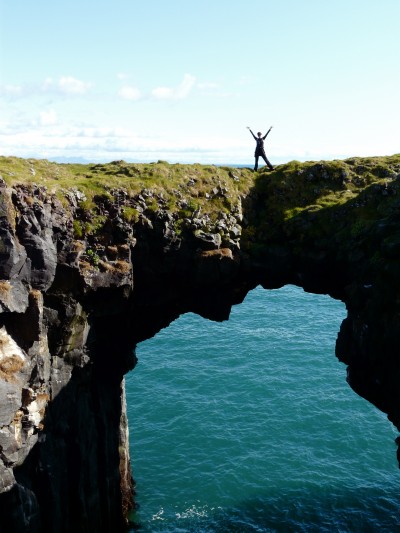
(329, 227)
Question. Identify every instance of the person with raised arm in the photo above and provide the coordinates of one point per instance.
(260, 151)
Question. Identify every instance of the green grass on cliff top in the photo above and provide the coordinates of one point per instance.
(291, 189)
(322, 199)
(313, 185)
(173, 181)
(133, 177)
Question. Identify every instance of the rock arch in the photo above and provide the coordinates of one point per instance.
(70, 318)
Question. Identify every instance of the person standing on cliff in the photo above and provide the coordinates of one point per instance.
(260, 151)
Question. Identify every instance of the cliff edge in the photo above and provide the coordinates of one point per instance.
(95, 258)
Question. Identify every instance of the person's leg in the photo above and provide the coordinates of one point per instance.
(266, 161)
(256, 162)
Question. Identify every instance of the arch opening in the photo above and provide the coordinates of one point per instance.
(250, 423)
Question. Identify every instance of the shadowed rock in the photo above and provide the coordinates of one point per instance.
(81, 284)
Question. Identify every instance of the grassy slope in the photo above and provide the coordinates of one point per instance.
(171, 181)
(331, 196)
(293, 193)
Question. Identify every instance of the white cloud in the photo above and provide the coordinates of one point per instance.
(52, 141)
(208, 85)
(67, 85)
(48, 118)
(129, 93)
(71, 85)
(96, 144)
(163, 93)
(175, 93)
(11, 90)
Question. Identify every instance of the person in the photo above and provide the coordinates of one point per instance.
(260, 151)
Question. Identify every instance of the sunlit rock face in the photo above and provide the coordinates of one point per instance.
(74, 304)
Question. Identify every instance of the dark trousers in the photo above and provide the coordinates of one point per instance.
(262, 154)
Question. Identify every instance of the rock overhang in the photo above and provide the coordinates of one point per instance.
(84, 278)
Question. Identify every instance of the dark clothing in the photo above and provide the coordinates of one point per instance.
(259, 145)
(260, 151)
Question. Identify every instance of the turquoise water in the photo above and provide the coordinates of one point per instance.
(249, 425)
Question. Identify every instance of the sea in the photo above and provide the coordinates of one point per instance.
(249, 425)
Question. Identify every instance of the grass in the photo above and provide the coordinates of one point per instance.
(311, 186)
(163, 184)
(311, 198)
(322, 200)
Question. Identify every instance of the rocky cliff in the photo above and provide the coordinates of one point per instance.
(96, 258)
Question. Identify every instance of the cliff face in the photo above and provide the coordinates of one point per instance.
(83, 280)
(63, 435)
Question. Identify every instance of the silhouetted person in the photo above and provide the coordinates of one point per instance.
(260, 152)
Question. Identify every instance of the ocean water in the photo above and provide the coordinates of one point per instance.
(249, 426)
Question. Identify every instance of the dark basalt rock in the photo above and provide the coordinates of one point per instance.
(73, 308)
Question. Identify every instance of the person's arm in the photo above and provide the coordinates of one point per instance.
(251, 133)
(267, 132)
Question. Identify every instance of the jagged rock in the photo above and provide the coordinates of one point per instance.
(12, 363)
(207, 241)
(235, 231)
(74, 305)
(13, 296)
(12, 254)
(75, 196)
(35, 233)
(212, 266)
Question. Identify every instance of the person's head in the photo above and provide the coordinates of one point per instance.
(259, 133)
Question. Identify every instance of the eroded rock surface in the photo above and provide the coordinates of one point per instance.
(75, 301)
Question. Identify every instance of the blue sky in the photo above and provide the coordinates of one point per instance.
(180, 80)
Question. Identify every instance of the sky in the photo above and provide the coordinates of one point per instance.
(180, 80)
